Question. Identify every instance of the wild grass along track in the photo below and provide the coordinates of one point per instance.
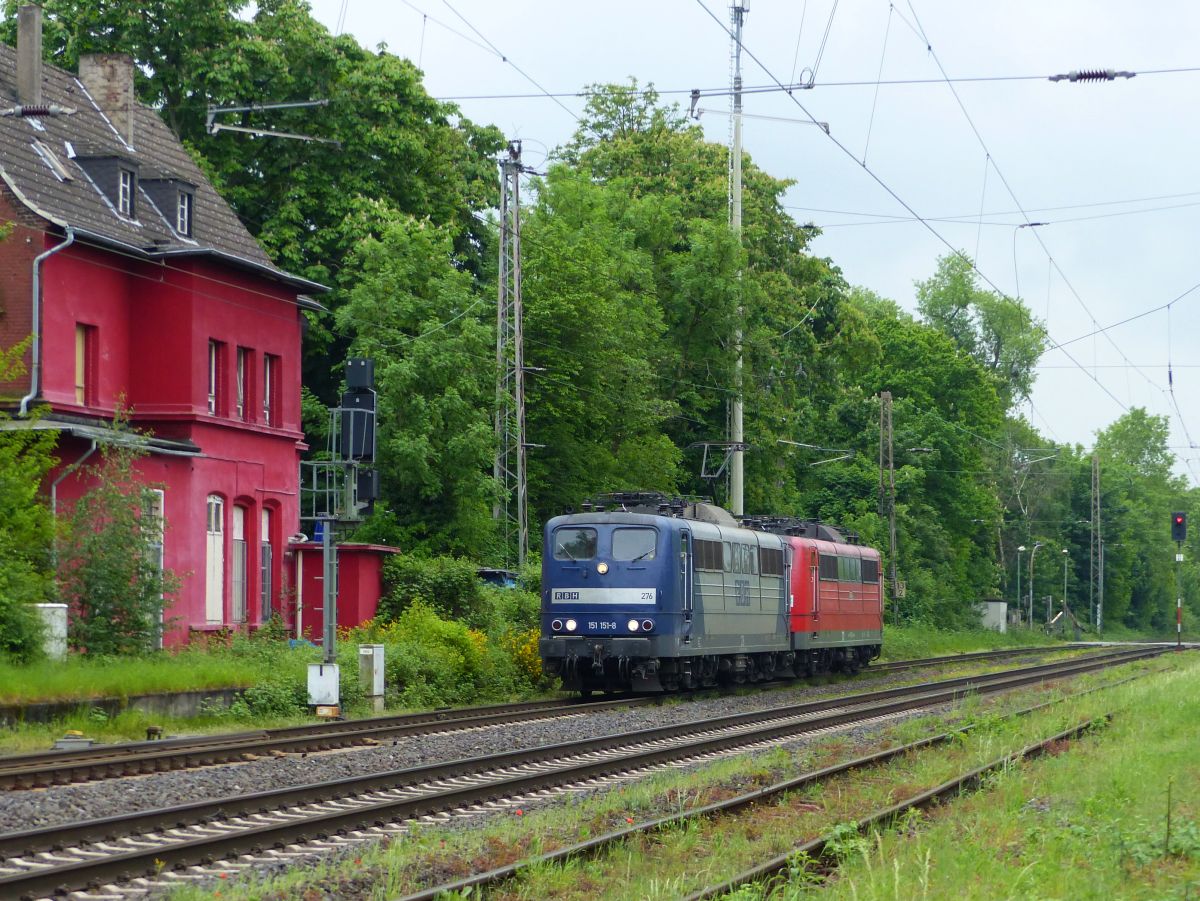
(40, 862)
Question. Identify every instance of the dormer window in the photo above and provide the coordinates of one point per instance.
(125, 185)
(183, 214)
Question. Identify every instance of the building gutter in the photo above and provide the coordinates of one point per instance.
(36, 349)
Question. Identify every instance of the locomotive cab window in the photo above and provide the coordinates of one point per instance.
(574, 544)
(634, 544)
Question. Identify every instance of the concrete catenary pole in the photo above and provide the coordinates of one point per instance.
(737, 475)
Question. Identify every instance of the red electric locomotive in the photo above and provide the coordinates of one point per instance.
(836, 597)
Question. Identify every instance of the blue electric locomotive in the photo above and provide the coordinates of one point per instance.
(652, 598)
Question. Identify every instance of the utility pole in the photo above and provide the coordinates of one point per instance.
(512, 504)
(1096, 564)
(887, 491)
(737, 477)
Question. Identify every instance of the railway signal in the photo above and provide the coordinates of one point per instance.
(1179, 527)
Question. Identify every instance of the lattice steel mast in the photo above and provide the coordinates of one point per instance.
(512, 503)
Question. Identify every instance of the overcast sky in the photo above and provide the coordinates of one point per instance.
(1082, 158)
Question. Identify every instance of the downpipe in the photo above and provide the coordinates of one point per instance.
(36, 346)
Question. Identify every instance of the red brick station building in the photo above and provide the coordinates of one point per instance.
(139, 286)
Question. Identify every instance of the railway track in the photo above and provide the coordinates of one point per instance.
(49, 768)
(721, 808)
(163, 846)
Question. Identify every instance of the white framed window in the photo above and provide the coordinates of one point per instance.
(85, 364)
(266, 559)
(240, 560)
(183, 213)
(125, 192)
(214, 582)
(270, 376)
(242, 364)
(214, 376)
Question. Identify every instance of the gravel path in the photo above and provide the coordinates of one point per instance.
(63, 804)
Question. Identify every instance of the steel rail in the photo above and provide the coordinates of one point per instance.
(134, 758)
(114, 827)
(291, 826)
(892, 666)
(723, 808)
(816, 848)
(48, 768)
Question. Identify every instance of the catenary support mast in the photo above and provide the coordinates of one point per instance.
(887, 492)
(512, 503)
(1096, 588)
(737, 476)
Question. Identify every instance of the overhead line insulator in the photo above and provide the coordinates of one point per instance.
(1092, 75)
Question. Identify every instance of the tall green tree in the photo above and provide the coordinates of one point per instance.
(595, 346)
(998, 331)
(427, 326)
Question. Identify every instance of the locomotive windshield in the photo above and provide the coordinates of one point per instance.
(634, 544)
(574, 544)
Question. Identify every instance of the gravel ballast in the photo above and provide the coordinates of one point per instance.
(30, 809)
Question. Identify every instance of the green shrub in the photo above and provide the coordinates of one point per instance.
(21, 586)
(450, 584)
(109, 563)
(510, 608)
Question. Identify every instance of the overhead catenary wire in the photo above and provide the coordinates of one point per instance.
(875, 100)
(889, 190)
(789, 87)
(1028, 222)
(529, 78)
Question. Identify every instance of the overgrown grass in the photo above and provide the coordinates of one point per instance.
(1090, 823)
(120, 677)
(677, 861)
(915, 640)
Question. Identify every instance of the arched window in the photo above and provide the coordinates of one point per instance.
(214, 582)
(240, 564)
(266, 561)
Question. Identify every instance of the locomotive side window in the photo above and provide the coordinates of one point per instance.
(728, 561)
(848, 569)
(870, 571)
(770, 561)
(574, 544)
(829, 567)
(634, 544)
(710, 555)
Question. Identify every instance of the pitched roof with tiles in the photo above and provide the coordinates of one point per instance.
(32, 147)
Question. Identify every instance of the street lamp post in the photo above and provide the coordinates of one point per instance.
(1020, 550)
(1032, 554)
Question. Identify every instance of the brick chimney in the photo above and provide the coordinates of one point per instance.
(29, 55)
(108, 77)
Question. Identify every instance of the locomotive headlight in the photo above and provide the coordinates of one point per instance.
(556, 625)
(633, 625)
(647, 625)
(602, 568)
(571, 624)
